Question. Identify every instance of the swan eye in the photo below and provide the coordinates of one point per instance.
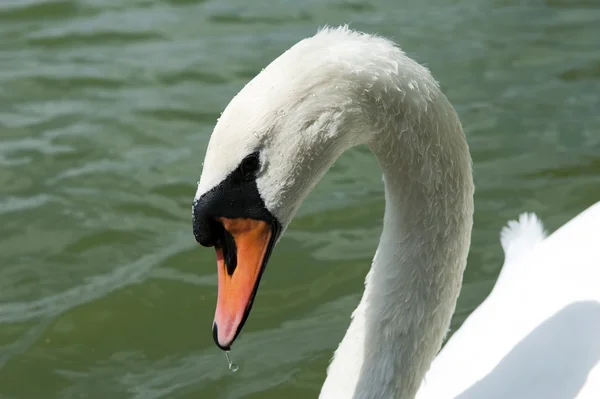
(249, 165)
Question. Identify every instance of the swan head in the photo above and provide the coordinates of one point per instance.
(272, 144)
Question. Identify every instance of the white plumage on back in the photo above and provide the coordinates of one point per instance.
(537, 335)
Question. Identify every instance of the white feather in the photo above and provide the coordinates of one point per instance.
(519, 237)
(537, 333)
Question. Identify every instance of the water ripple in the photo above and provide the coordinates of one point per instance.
(95, 287)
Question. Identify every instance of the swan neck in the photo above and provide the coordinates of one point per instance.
(416, 274)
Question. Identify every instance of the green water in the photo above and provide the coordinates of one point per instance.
(106, 107)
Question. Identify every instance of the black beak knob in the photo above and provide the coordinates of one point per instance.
(206, 229)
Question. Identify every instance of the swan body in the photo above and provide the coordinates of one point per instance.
(283, 131)
(537, 335)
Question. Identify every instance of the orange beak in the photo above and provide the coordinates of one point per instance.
(240, 265)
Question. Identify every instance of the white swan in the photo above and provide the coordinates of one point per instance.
(538, 333)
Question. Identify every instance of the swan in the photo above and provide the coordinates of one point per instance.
(537, 335)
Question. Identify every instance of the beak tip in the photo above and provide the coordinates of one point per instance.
(223, 347)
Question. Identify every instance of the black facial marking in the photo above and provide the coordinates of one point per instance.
(235, 197)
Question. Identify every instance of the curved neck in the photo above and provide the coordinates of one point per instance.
(415, 278)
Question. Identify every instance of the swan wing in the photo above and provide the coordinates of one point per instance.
(537, 335)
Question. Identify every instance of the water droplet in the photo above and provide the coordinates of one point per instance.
(233, 367)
